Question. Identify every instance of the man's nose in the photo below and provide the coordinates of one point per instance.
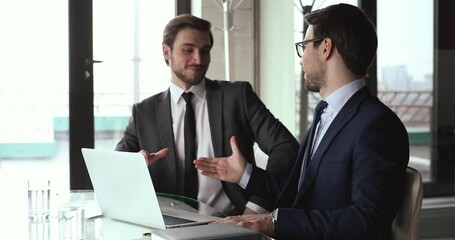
(197, 57)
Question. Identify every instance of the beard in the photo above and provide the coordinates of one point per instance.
(314, 81)
(186, 78)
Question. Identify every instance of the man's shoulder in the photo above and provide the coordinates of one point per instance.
(225, 84)
(154, 99)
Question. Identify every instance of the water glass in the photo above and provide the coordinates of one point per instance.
(39, 230)
(71, 220)
(38, 200)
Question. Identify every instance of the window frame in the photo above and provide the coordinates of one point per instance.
(81, 102)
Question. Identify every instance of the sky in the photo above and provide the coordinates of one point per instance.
(405, 30)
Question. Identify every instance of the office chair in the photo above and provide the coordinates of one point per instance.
(405, 224)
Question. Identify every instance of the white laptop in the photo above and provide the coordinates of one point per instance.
(124, 190)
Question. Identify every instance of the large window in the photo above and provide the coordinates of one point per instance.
(37, 37)
(34, 127)
(405, 71)
(127, 38)
(412, 75)
(34, 91)
(306, 101)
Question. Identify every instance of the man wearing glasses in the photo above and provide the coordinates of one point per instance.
(347, 179)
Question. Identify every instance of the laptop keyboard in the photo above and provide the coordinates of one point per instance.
(171, 220)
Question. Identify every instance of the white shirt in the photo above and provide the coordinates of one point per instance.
(210, 190)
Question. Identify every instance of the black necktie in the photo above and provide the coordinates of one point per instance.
(309, 146)
(191, 178)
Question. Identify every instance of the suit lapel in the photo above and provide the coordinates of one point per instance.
(215, 110)
(164, 120)
(347, 113)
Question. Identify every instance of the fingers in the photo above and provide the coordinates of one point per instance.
(231, 219)
(249, 211)
(206, 162)
(228, 169)
(256, 222)
(144, 153)
(210, 167)
(150, 158)
(161, 153)
(241, 220)
(235, 149)
(207, 165)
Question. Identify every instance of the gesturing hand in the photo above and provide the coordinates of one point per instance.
(152, 157)
(228, 169)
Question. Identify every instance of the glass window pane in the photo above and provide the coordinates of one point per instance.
(127, 37)
(405, 75)
(33, 99)
(405, 71)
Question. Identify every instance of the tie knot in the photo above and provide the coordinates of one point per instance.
(321, 106)
(187, 96)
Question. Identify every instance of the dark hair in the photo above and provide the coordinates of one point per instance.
(185, 21)
(351, 32)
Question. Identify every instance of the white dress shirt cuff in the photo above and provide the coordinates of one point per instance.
(246, 175)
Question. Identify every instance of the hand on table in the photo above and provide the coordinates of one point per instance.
(256, 222)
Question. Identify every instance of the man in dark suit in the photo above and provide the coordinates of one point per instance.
(222, 109)
(350, 183)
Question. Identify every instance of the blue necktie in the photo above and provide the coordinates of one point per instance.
(309, 146)
(191, 178)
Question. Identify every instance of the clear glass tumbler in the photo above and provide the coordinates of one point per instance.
(39, 192)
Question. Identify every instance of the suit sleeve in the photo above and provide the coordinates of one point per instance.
(129, 141)
(356, 192)
(273, 138)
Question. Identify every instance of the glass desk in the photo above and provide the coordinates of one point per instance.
(98, 227)
(14, 223)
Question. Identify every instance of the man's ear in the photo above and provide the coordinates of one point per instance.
(326, 48)
(166, 52)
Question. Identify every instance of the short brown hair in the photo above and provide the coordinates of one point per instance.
(352, 33)
(185, 21)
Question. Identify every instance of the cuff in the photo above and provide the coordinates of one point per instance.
(246, 176)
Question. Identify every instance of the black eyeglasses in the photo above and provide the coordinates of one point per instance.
(300, 46)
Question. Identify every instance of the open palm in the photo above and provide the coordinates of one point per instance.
(228, 169)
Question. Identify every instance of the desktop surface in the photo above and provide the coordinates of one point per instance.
(14, 222)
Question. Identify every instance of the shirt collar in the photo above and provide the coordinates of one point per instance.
(338, 98)
(197, 90)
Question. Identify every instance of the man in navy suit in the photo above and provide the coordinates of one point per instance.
(222, 109)
(349, 185)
